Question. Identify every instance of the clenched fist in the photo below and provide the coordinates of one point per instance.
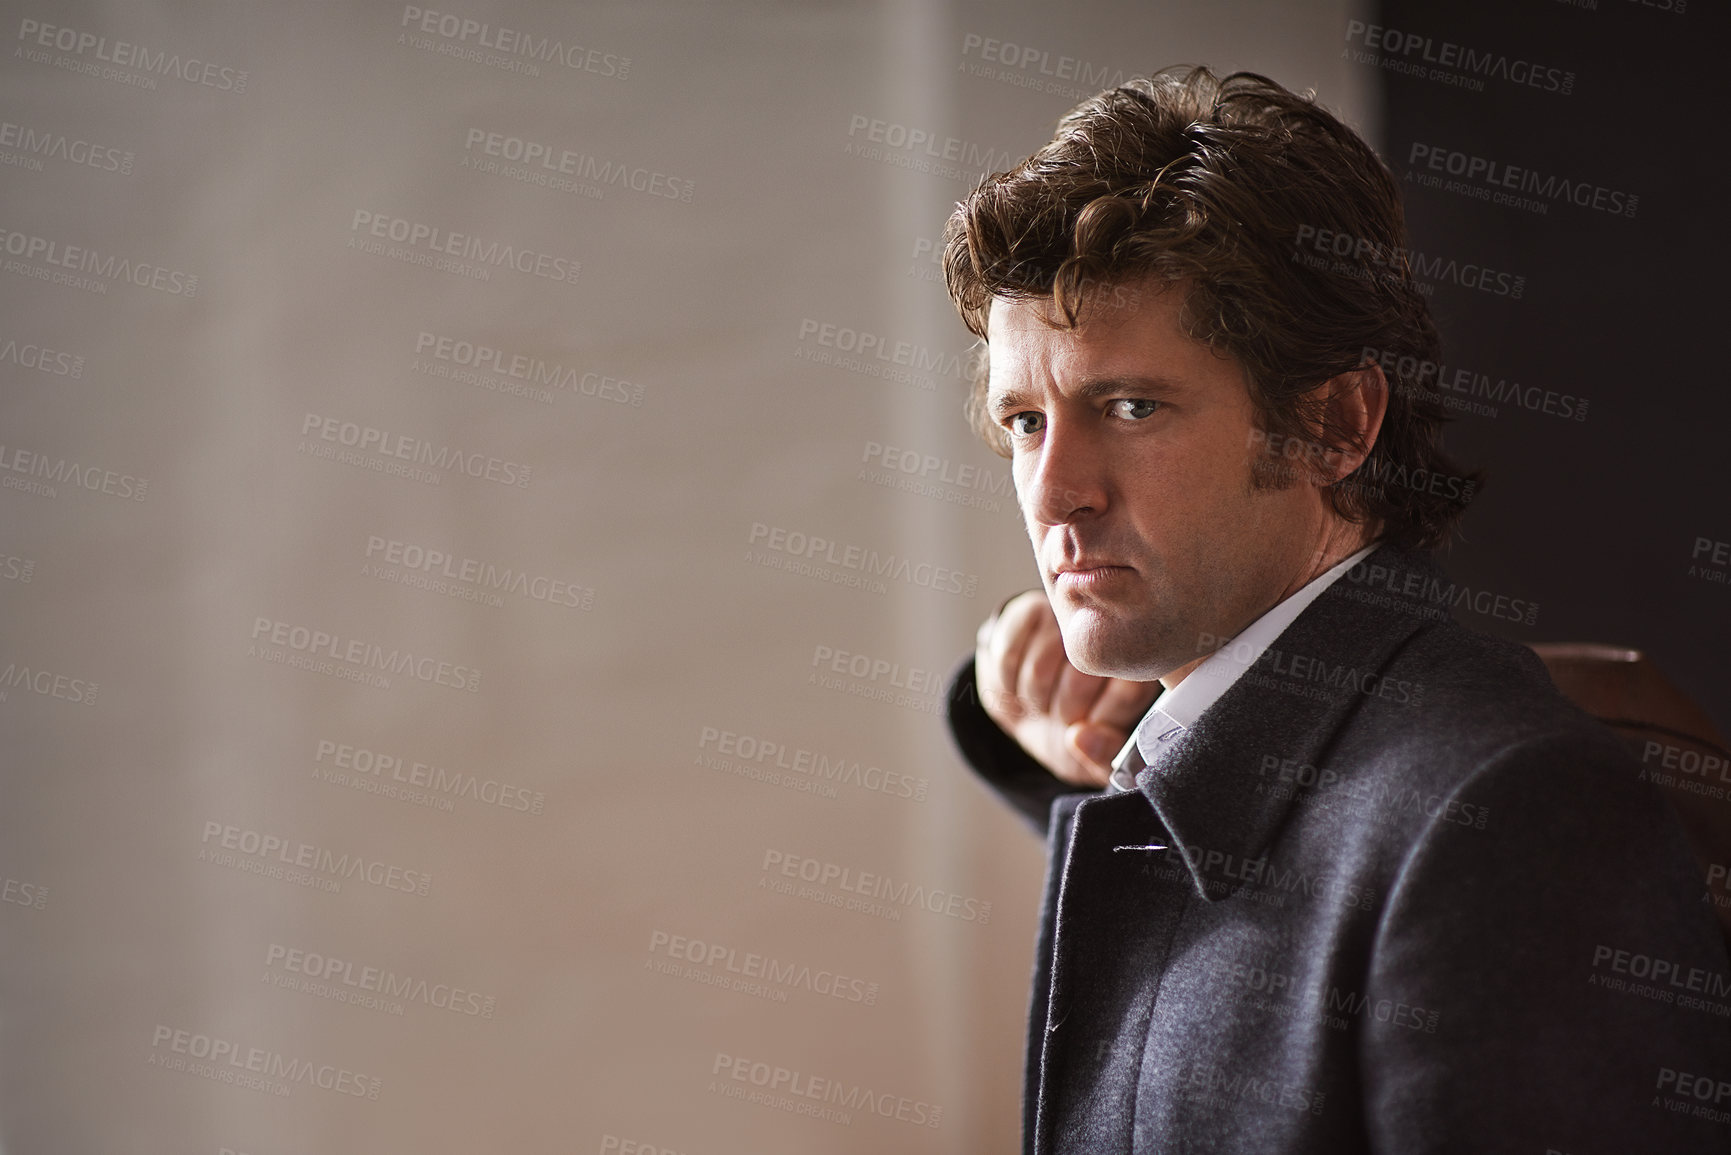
(1070, 722)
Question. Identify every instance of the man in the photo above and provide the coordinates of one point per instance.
(1361, 880)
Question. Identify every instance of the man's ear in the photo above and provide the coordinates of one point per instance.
(1351, 408)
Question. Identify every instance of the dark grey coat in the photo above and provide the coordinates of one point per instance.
(1413, 901)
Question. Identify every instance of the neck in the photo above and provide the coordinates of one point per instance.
(1339, 541)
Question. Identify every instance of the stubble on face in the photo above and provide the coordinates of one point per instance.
(1151, 536)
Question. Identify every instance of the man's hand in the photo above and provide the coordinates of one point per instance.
(1072, 723)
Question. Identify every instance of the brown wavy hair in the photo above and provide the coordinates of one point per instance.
(1225, 184)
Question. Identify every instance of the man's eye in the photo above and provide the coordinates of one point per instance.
(1024, 424)
(1133, 408)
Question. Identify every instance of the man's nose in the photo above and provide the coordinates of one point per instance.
(1066, 481)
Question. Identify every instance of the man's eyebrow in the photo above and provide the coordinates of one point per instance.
(1001, 405)
(1012, 400)
(1125, 386)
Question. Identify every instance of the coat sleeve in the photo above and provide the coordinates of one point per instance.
(1554, 981)
(997, 758)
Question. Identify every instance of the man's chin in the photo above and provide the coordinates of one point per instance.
(1107, 648)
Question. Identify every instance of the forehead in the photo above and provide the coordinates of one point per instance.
(1132, 331)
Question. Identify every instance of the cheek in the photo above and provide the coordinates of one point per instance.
(1186, 500)
(1218, 466)
(1224, 446)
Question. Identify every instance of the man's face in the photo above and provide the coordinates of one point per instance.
(1131, 452)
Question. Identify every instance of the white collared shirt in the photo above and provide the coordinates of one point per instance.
(1177, 709)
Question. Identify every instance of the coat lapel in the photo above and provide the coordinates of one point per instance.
(1289, 705)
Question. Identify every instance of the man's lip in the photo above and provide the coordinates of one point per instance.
(1072, 576)
(1090, 566)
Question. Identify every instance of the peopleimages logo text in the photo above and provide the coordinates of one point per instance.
(1501, 175)
(463, 246)
(129, 55)
(858, 559)
(514, 43)
(323, 644)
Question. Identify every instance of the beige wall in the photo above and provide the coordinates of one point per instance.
(227, 639)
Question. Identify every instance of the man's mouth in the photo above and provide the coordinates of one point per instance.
(1088, 575)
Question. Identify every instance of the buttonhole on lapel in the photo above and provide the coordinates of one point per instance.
(1149, 847)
